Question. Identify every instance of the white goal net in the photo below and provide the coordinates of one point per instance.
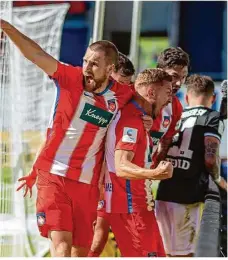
(26, 99)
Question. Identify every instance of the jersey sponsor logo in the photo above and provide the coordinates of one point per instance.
(166, 121)
(41, 218)
(96, 115)
(129, 135)
(111, 105)
(156, 136)
(179, 163)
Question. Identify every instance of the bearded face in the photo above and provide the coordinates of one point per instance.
(96, 69)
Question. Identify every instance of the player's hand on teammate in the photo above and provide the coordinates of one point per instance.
(147, 122)
(164, 170)
(28, 182)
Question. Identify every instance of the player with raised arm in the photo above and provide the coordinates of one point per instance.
(128, 195)
(195, 155)
(175, 62)
(69, 165)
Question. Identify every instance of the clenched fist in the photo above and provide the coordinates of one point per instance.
(163, 171)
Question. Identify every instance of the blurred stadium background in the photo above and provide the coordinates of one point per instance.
(140, 30)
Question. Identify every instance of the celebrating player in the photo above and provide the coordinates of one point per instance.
(128, 197)
(124, 70)
(69, 165)
(175, 62)
(123, 73)
(195, 155)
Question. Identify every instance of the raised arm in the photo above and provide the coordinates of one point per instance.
(30, 49)
(212, 160)
(128, 170)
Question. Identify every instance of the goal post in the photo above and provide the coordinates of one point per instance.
(27, 96)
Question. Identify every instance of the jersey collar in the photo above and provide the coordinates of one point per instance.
(138, 107)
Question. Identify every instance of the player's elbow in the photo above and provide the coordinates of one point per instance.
(121, 170)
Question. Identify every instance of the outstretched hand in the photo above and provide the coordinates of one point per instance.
(28, 182)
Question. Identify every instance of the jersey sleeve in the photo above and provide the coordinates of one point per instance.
(177, 112)
(128, 133)
(68, 77)
(214, 125)
(124, 93)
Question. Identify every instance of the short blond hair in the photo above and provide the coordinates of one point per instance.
(150, 76)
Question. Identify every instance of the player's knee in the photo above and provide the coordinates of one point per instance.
(61, 243)
(77, 251)
(63, 249)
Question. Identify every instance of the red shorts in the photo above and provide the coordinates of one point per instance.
(66, 205)
(137, 234)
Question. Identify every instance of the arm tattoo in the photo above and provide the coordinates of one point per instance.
(211, 149)
(212, 154)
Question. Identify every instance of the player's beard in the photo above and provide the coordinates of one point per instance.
(154, 112)
(156, 109)
(92, 84)
(175, 89)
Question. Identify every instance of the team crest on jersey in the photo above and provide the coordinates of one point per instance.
(41, 219)
(100, 204)
(166, 121)
(112, 105)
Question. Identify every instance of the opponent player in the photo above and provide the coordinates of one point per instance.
(195, 155)
(175, 62)
(128, 197)
(69, 164)
(223, 107)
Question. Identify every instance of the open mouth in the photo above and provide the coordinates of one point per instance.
(174, 90)
(89, 79)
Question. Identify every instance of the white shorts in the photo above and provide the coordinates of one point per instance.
(179, 226)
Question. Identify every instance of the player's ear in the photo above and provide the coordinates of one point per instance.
(186, 99)
(213, 98)
(110, 69)
(152, 93)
